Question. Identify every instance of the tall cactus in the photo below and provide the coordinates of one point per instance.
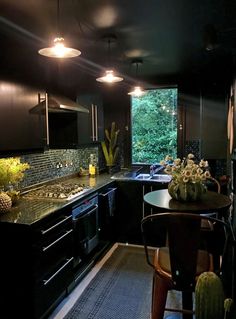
(209, 297)
(110, 148)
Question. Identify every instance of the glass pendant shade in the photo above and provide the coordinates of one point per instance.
(137, 92)
(109, 77)
(59, 50)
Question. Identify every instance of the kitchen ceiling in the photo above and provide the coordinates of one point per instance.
(170, 36)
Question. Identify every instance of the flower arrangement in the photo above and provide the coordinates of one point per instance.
(186, 170)
(188, 177)
(11, 171)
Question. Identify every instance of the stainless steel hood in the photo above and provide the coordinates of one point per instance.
(58, 103)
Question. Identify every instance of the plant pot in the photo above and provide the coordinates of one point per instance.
(186, 192)
(112, 169)
(5, 202)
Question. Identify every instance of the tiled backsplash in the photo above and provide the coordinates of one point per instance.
(52, 164)
(218, 167)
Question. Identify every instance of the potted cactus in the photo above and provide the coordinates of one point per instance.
(109, 147)
(210, 302)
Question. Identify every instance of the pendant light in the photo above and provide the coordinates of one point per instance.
(137, 90)
(109, 76)
(59, 50)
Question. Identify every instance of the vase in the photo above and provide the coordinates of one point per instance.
(112, 169)
(186, 192)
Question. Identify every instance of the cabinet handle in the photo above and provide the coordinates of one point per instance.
(43, 232)
(47, 281)
(143, 202)
(86, 213)
(96, 122)
(93, 133)
(42, 99)
(110, 190)
(47, 121)
(57, 240)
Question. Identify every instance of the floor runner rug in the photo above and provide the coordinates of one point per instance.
(120, 290)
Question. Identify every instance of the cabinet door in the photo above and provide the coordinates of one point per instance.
(63, 130)
(90, 125)
(22, 120)
(131, 209)
(214, 125)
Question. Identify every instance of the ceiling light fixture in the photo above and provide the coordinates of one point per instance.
(137, 91)
(109, 76)
(59, 50)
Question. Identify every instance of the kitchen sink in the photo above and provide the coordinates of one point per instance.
(161, 178)
(143, 176)
(156, 177)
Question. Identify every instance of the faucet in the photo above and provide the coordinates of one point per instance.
(154, 168)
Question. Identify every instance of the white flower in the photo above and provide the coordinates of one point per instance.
(186, 170)
(190, 156)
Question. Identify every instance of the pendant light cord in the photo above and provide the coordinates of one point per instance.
(136, 70)
(58, 19)
(109, 52)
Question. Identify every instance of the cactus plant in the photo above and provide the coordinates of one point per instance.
(209, 297)
(109, 147)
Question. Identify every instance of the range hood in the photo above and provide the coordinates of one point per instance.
(56, 103)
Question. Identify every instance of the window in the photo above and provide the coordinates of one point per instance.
(154, 125)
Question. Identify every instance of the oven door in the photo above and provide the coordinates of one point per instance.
(85, 224)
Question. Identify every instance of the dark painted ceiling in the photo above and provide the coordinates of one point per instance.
(170, 36)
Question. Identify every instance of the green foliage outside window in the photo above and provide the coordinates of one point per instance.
(154, 126)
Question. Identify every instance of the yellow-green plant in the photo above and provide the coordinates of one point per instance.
(109, 147)
(11, 171)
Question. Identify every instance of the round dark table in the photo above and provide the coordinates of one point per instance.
(210, 202)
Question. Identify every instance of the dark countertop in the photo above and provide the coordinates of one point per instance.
(28, 211)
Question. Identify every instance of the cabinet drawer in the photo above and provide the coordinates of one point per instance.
(52, 226)
(52, 251)
(52, 286)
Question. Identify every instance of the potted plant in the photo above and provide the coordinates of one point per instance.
(11, 173)
(110, 147)
(210, 301)
(188, 177)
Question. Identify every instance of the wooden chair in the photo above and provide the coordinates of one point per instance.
(186, 257)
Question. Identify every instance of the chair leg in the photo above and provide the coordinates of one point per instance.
(159, 296)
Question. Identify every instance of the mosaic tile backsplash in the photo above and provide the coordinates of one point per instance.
(52, 164)
(218, 167)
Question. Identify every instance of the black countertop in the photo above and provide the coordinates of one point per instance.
(28, 211)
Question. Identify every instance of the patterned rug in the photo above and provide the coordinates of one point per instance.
(120, 290)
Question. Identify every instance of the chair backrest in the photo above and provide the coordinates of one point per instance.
(185, 238)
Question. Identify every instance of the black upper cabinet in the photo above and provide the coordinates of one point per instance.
(22, 126)
(63, 130)
(90, 125)
(28, 123)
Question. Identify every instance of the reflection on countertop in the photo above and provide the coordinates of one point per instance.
(30, 210)
(140, 174)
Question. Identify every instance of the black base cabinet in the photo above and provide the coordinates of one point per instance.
(38, 266)
(107, 213)
(131, 209)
